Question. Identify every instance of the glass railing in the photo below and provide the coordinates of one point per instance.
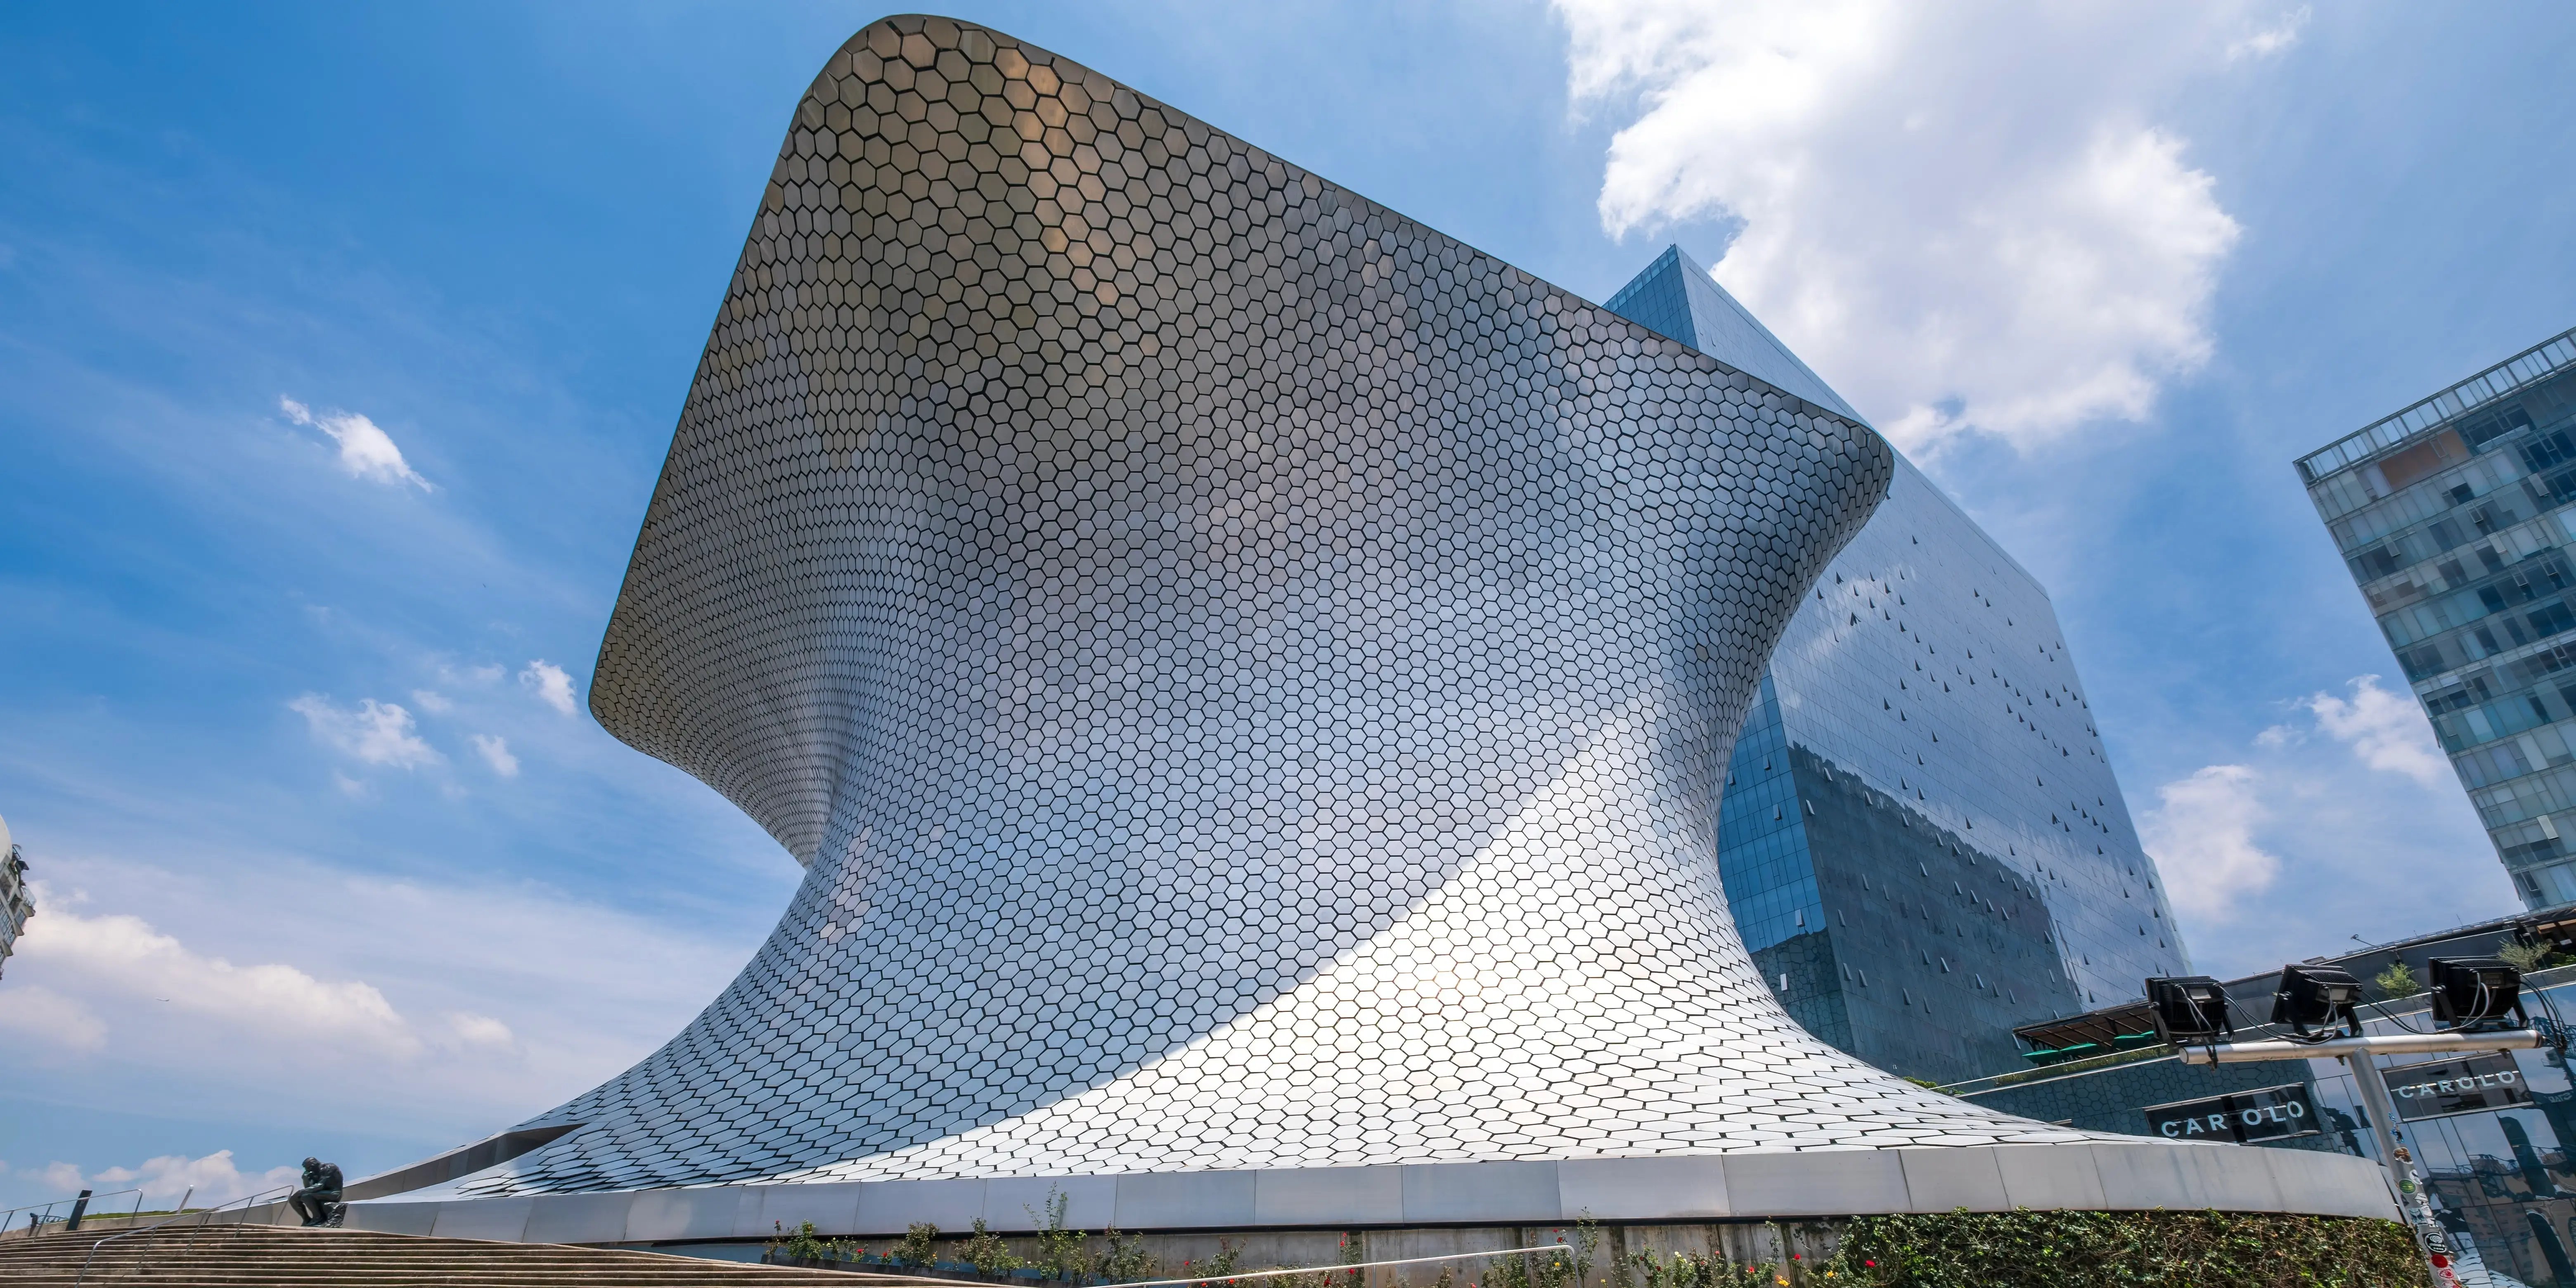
(2504, 377)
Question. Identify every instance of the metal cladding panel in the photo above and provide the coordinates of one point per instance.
(1250, 677)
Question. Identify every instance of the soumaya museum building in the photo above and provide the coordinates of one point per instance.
(1252, 682)
(2457, 516)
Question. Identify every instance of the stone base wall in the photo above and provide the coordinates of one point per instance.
(1178, 1255)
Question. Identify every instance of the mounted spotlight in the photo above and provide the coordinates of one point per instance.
(2189, 1009)
(2318, 995)
(2476, 993)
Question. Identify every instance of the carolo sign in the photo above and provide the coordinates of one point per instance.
(2461, 1085)
(2271, 1113)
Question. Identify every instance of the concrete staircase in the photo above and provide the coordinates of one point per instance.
(258, 1256)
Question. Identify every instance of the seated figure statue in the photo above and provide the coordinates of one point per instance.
(319, 1201)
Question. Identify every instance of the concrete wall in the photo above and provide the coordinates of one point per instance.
(2113, 1175)
(1740, 1243)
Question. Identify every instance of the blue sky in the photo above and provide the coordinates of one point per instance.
(2104, 274)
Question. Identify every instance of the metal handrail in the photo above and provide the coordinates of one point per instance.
(1232, 1275)
(203, 1215)
(9, 1217)
(6, 1214)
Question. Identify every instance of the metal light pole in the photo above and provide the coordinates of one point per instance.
(2384, 1044)
(2400, 1161)
(2403, 1184)
(2383, 1111)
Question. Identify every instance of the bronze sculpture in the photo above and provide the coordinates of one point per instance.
(318, 1202)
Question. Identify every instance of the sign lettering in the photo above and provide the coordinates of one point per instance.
(2459, 1085)
(2270, 1113)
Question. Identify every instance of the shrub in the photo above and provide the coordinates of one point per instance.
(919, 1246)
(803, 1246)
(1679, 1270)
(1125, 1258)
(1219, 1266)
(987, 1253)
(2120, 1249)
(1059, 1249)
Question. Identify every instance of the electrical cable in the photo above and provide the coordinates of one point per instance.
(2557, 1026)
(2392, 1018)
(2302, 1038)
(2250, 1021)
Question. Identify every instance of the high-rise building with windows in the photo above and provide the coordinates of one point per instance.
(2456, 516)
(1921, 836)
(16, 904)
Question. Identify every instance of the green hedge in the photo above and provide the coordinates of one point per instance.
(2108, 1249)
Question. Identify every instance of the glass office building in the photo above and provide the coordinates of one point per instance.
(2456, 517)
(1921, 836)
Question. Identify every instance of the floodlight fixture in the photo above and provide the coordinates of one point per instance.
(2188, 1009)
(2317, 995)
(2477, 993)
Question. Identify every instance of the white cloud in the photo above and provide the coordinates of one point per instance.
(488, 673)
(1966, 217)
(366, 451)
(432, 701)
(121, 965)
(377, 733)
(2342, 821)
(438, 1011)
(2272, 39)
(550, 683)
(496, 753)
(42, 1018)
(2201, 835)
(479, 1030)
(203, 1182)
(2387, 730)
(123, 958)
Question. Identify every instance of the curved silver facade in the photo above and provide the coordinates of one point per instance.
(1249, 676)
